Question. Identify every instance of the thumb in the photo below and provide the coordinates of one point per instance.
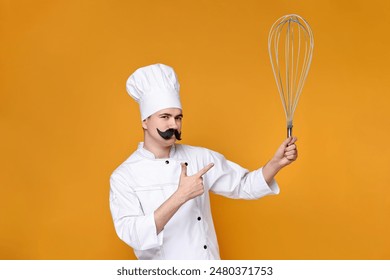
(287, 141)
(183, 170)
(293, 140)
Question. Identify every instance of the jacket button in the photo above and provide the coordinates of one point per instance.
(205, 247)
(199, 218)
(167, 161)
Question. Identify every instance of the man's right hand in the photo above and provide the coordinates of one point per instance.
(191, 186)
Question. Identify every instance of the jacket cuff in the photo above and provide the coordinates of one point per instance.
(147, 233)
(267, 189)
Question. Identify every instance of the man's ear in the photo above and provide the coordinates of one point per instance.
(145, 124)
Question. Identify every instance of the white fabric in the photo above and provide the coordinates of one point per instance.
(154, 87)
(142, 183)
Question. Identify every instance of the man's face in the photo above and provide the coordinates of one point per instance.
(162, 121)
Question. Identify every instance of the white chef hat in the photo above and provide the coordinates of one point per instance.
(154, 87)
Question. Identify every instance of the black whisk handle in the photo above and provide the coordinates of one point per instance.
(289, 131)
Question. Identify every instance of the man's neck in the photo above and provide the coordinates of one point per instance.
(157, 151)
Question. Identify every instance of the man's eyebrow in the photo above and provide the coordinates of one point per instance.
(170, 115)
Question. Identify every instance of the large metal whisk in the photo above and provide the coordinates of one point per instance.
(290, 47)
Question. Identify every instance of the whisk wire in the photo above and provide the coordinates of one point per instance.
(290, 64)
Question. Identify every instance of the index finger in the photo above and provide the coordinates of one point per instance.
(205, 169)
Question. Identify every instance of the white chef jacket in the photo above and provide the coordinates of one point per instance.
(142, 183)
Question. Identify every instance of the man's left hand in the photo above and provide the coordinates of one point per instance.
(286, 153)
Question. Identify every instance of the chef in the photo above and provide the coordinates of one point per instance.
(159, 196)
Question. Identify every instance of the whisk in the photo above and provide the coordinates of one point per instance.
(290, 48)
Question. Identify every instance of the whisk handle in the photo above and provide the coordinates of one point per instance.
(289, 131)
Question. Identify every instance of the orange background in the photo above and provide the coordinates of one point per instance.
(67, 122)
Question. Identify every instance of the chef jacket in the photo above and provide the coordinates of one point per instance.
(142, 183)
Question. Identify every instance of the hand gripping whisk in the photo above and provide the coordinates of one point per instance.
(290, 48)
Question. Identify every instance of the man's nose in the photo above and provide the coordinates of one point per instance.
(173, 124)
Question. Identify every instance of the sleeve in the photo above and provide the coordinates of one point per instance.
(231, 180)
(131, 224)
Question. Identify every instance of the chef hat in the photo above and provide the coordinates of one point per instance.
(154, 87)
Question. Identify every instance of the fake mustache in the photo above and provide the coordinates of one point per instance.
(169, 133)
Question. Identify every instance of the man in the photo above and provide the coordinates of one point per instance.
(159, 196)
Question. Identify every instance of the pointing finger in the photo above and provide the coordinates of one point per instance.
(183, 170)
(205, 169)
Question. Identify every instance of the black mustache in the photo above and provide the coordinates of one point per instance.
(169, 133)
